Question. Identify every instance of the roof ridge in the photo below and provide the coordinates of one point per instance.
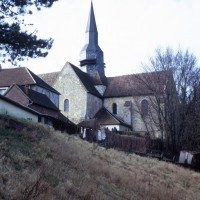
(30, 74)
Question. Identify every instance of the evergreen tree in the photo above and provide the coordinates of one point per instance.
(17, 44)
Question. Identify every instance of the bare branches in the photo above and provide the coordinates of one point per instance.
(173, 102)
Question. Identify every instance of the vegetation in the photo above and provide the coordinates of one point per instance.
(175, 111)
(16, 42)
(38, 163)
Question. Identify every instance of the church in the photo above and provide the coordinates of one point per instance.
(122, 103)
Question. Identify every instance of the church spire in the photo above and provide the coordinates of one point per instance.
(91, 56)
(91, 26)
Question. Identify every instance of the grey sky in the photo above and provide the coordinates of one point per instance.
(129, 31)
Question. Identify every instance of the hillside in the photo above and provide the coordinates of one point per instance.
(38, 163)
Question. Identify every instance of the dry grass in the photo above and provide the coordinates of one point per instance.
(49, 165)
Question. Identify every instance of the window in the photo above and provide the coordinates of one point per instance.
(114, 108)
(66, 105)
(144, 108)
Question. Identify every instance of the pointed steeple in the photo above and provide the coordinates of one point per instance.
(91, 56)
(91, 26)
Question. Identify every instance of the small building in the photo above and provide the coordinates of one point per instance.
(24, 77)
(14, 109)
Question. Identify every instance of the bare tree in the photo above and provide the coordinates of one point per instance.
(173, 79)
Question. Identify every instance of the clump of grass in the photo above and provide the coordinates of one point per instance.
(51, 165)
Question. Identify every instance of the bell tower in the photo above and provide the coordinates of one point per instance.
(91, 56)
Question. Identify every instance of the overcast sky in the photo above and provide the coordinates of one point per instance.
(129, 31)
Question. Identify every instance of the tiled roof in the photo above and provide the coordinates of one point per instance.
(49, 77)
(136, 84)
(19, 105)
(104, 117)
(21, 76)
(86, 80)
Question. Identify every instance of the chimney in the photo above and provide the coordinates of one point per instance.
(26, 89)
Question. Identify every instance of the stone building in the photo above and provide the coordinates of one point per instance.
(121, 102)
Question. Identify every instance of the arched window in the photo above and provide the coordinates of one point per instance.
(66, 105)
(114, 108)
(144, 108)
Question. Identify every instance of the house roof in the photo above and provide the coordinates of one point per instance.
(22, 76)
(39, 98)
(58, 116)
(42, 83)
(19, 105)
(136, 84)
(104, 117)
(34, 96)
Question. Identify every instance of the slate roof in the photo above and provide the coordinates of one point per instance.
(97, 80)
(86, 80)
(39, 98)
(104, 117)
(35, 97)
(136, 84)
(22, 76)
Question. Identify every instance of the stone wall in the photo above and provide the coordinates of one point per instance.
(71, 88)
(129, 109)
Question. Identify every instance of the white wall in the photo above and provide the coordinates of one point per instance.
(117, 127)
(12, 110)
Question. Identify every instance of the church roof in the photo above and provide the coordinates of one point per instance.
(86, 80)
(104, 117)
(22, 76)
(136, 84)
(49, 78)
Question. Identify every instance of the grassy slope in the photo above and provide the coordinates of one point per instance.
(39, 163)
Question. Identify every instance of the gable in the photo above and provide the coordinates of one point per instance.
(68, 81)
(16, 94)
(104, 117)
